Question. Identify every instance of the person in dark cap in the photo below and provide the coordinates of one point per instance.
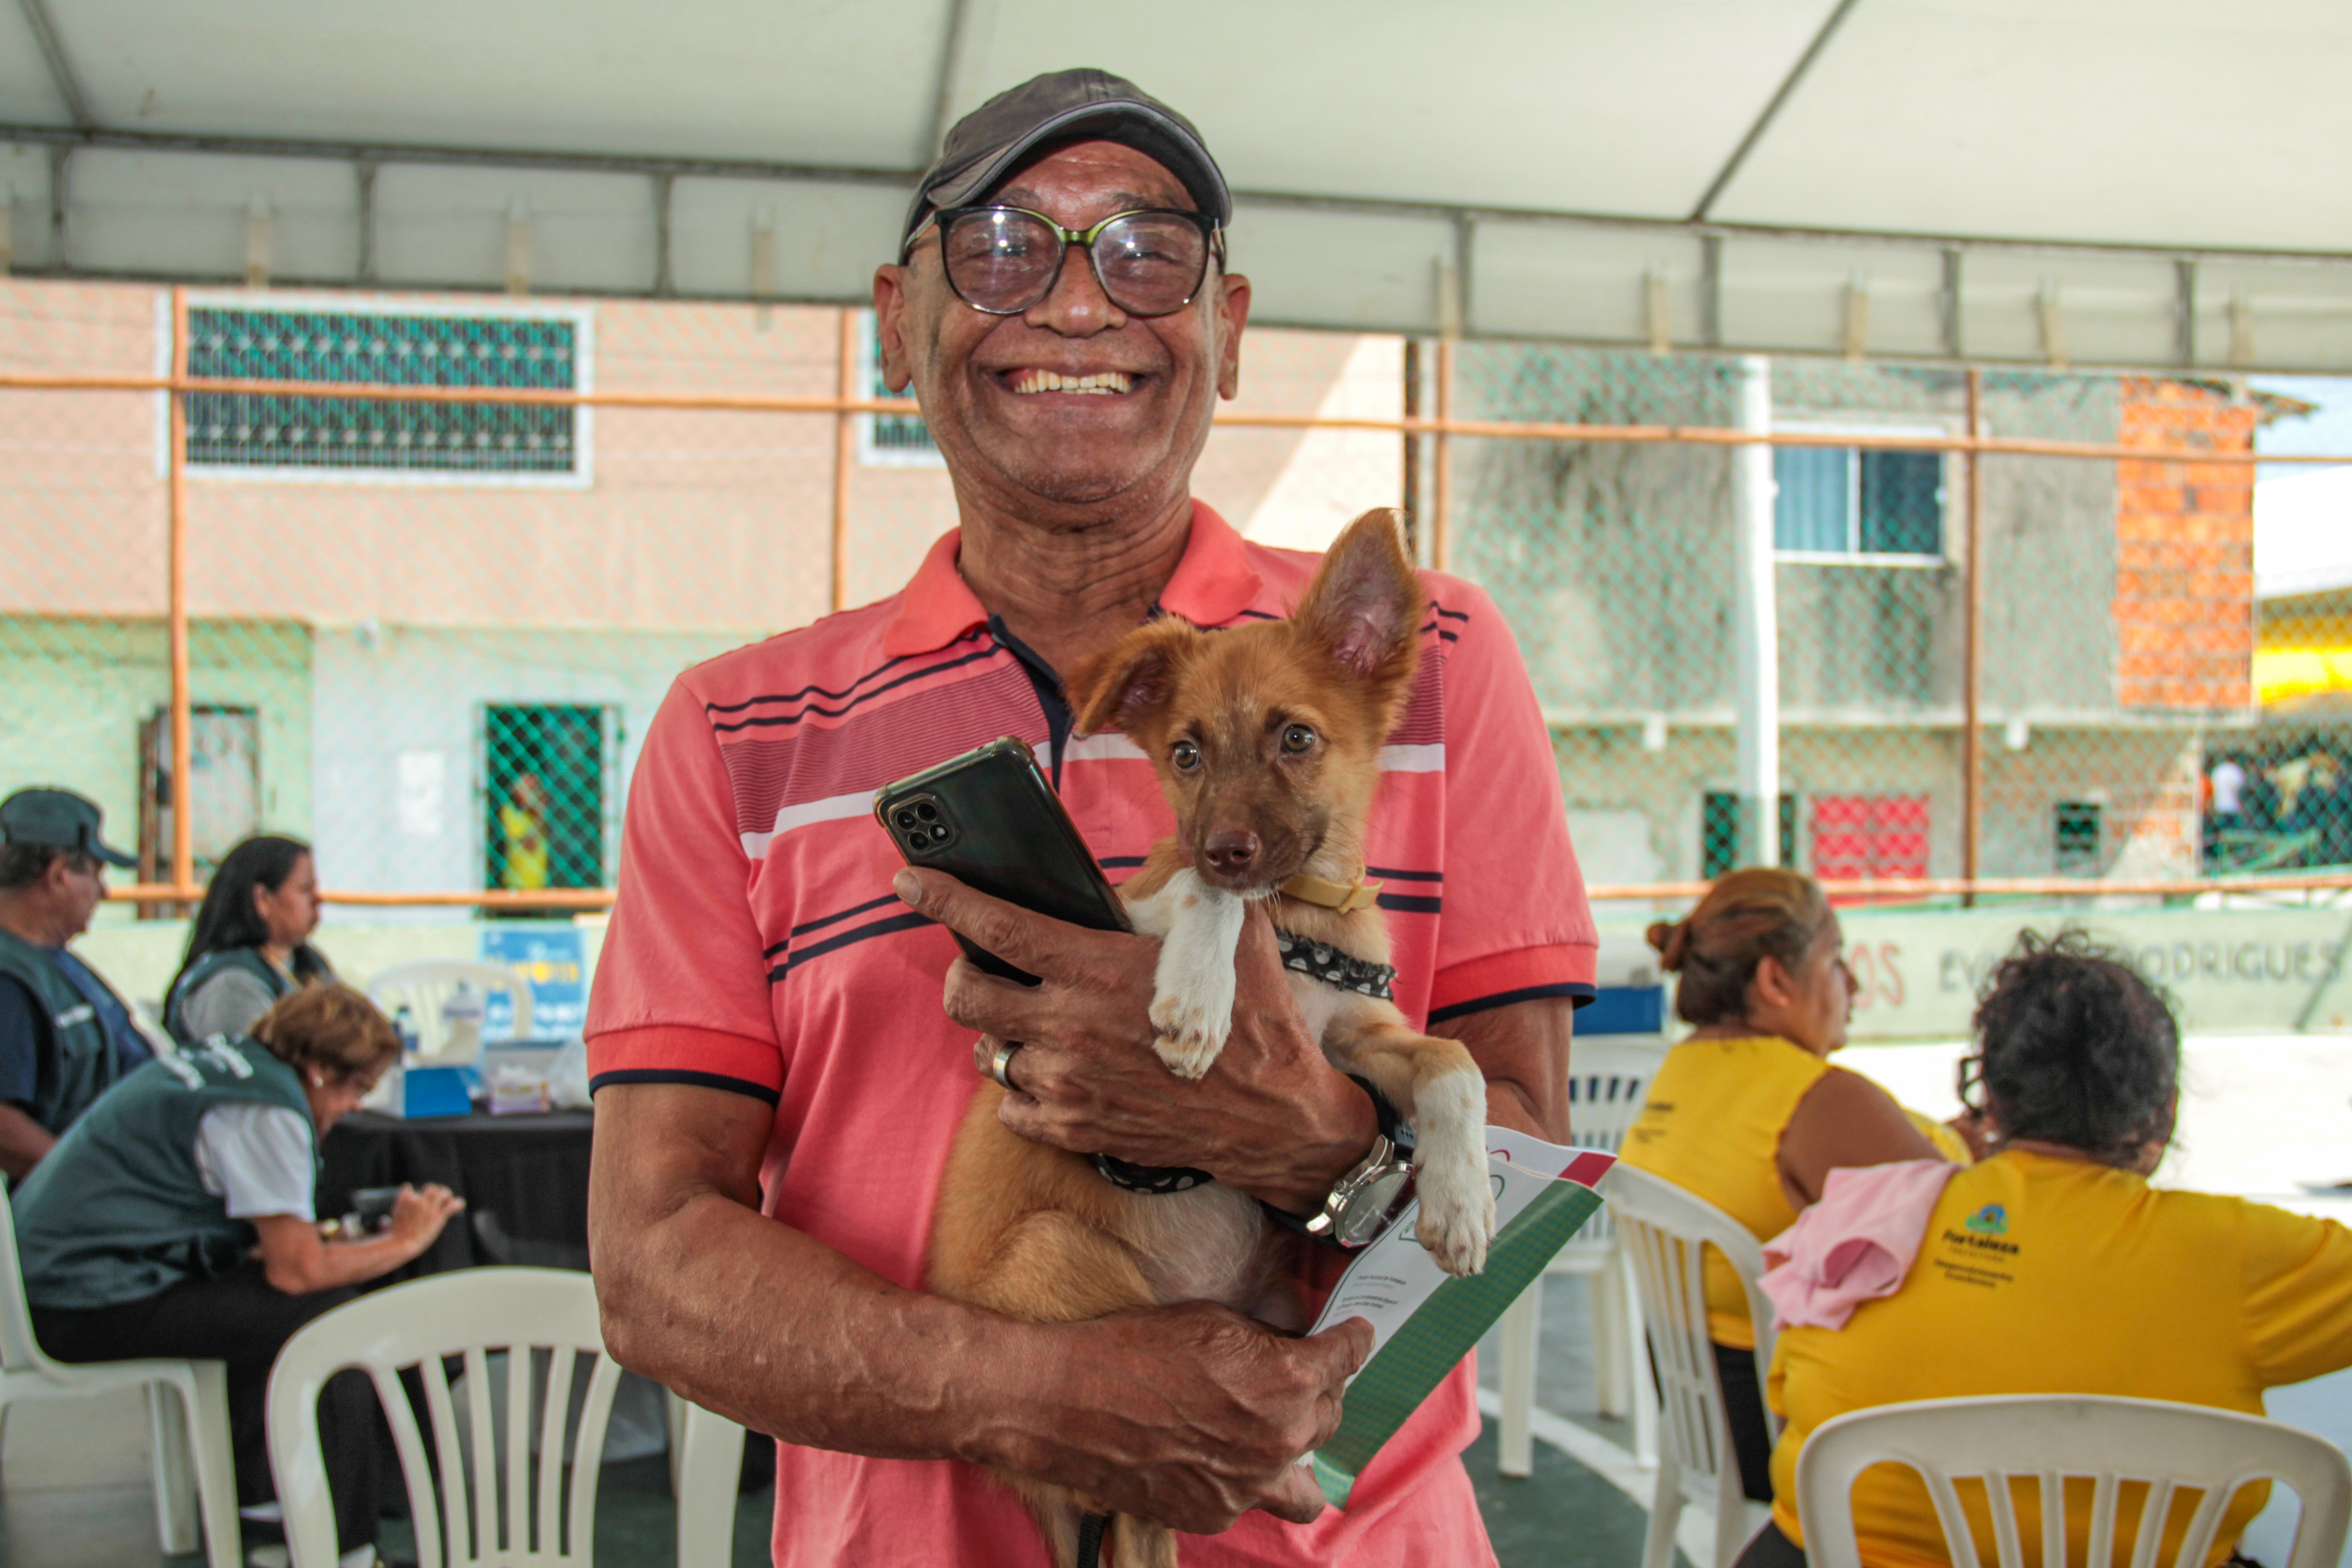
(782, 1050)
(65, 1036)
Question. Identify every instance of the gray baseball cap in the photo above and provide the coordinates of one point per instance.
(1081, 104)
(58, 819)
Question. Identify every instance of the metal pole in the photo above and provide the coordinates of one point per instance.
(1440, 467)
(1972, 643)
(844, 455)
(1410, 487)
(1755, 622)
(184, 827)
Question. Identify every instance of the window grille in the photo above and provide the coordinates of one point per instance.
(310, 436)
(1870, 836)
(1718, 845)
(2074, 831)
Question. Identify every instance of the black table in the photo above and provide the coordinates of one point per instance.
(524, 1179)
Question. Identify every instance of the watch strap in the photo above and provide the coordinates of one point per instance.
(1395, 1134)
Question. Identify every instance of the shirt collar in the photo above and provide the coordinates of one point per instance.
(1212, 584)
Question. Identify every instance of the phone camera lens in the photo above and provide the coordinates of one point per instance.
(928, 812)
(940, 835)
(906, 819)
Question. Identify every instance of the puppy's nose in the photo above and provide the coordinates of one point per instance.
(1232, 852)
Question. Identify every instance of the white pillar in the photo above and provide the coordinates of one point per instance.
(1756, 624)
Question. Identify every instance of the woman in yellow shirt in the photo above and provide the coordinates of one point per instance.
(2052, 1267)
(1748, 1112)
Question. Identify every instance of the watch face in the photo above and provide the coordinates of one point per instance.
(1367, 1206)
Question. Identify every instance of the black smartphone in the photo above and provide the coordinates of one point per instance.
(990, 819)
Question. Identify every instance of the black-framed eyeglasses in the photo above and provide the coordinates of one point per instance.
(1004, 260)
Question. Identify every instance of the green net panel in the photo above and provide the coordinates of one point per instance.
(245, 430)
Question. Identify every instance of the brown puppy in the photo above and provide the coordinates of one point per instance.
(1267, 740)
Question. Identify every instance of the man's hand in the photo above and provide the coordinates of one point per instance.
(1189, 1415)
(1272, 1118)
(1193, 1416)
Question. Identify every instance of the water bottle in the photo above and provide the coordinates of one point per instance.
(404, 1024)
(461, 1024)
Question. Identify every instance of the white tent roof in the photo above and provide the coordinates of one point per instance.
(2137, 182)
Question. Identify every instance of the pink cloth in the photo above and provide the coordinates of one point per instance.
(1854, 1245)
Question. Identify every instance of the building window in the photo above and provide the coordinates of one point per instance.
(1845, 502)
(258, 434)
(2075, 836)
(1718, 834)
(1873, 838)
(888, 440)
(544, 802)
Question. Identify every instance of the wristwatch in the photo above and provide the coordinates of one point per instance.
(1357, 1208)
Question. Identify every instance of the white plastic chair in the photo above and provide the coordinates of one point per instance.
(1666, 1232)
(1607, 1082)
(2047, 1438)
(426, 985)
(465, 1520)
(187, 1416)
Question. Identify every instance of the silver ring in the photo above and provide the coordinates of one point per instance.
(1000, 1061)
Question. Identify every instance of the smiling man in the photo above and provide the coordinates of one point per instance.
(782, 1036)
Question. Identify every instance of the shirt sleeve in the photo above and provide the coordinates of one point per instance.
(20, 1044)
(1516, 926)
(230, 1003)
(681, 990)
(2298, 1310)
(258, 1158)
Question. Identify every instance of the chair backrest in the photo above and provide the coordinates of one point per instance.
(426, 985)
(1608, 1079)
(2171, 1451)
(19, 1351)
(467, 1520)
(1666, 1232)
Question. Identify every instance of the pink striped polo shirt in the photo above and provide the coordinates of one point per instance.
(757, 947)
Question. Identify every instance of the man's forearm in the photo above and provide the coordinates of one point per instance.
(772, 1328)
(1523, 1051)
(23, 1143)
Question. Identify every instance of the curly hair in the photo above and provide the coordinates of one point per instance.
(2075, 1047)
(1745, 917)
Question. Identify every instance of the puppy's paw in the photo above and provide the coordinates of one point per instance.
(1191, 1034)
(1457, 1215)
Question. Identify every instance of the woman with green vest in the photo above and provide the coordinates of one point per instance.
(178, 1218)
(250, 943)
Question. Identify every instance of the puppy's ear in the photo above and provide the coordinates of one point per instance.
(1125, 683)
(1364, 605)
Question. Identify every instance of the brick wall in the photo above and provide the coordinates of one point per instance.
(2185, 551)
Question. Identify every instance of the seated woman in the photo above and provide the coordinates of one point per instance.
(1748, 1112)
(250, 942)
(178, 1218)
(2023, 1258)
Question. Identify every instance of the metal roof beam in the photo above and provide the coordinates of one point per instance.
(62, 74)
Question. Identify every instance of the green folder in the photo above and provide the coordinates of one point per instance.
(1419, 1353)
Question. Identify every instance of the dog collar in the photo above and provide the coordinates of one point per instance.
(1345, 897)
(1326, 963)
(1156, 1181)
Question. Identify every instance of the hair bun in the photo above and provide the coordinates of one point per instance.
(1672, 939)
